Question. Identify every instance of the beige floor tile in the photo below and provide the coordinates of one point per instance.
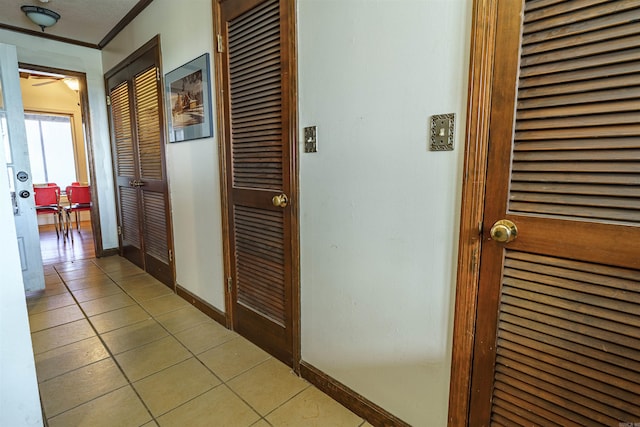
(151, 358)
(184, 318)
(115, 319)
(312, 408)
(121, 407)
(68, 333)
(233, 358)
(48, 269)
(205, 336)
(80, 386)
(96, 292)
(175, 385)
(50, 289)
(132, 336)
(89, 282)
(123, 271)
(164, 304)
(105, 304)
(112, 263)
(51, 318)
(150, 424)
(83, 273)
(38, 304)
(267, 386)
(75, 265)
(138, 281)
(261, 423)
(218, 407)
(69, 357)
(145, 292)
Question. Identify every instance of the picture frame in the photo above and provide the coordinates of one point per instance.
(188, 101)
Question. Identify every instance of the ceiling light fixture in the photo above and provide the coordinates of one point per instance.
(41, 16)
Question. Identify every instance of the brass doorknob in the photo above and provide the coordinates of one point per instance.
(504, 231)
(281, 200)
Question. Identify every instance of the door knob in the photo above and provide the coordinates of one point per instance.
(504, 231)
(281, 200)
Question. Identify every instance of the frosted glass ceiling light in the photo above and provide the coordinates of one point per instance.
(41, 16)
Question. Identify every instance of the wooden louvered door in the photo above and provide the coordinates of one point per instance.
(139, 165)
(258, 145)
(558, 329)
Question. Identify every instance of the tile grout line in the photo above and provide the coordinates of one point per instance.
(104, 344)
(173, 335)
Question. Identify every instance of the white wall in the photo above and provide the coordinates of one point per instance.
(39, 51)
(379, 211)
(194, 181)
(19, 398)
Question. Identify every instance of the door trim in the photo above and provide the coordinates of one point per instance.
(86, 125)
(481, 64)
(292, 99)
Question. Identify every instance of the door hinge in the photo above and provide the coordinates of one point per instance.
(119, 231)
(157, 73)
(220, 43)
(170, 255)
(108, 100)
(229, 283)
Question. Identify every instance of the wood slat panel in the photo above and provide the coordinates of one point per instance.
(155, 226)
(121, 125)
(579, 74)
(585, 38)
(259, 259)
(554, 17)
(583, 409)
(148, 124)
(129, 214)
(568, 342)
(558, 8)
(256, 100)
(593, 190)
(621, 398)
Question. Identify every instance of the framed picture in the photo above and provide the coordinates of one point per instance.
(188, 99)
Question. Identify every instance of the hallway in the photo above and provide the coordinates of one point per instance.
(115, 347)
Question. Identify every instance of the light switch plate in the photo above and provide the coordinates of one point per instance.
(441, 135)
(311, 139)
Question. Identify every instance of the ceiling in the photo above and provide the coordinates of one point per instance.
(84, 22)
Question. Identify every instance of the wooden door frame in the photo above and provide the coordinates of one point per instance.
(481, 65)
(292, 96)
(85, 115)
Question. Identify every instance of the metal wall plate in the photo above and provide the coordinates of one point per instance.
(441, 135)
(311, 139)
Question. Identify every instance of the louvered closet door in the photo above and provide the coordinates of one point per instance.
(152, 184)
(137, 133)
(558, 329)
(257, 145)
(125, 165)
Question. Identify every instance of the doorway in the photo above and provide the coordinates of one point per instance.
(546, 328)
(257, 69)
(56, 115)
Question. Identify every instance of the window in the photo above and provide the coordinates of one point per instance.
(51, 148)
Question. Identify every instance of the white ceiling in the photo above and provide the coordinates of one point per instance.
(87, 21)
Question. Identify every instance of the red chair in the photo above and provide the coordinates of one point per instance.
(79, 197)
(48, 203)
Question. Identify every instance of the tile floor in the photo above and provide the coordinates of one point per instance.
(115, 347)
